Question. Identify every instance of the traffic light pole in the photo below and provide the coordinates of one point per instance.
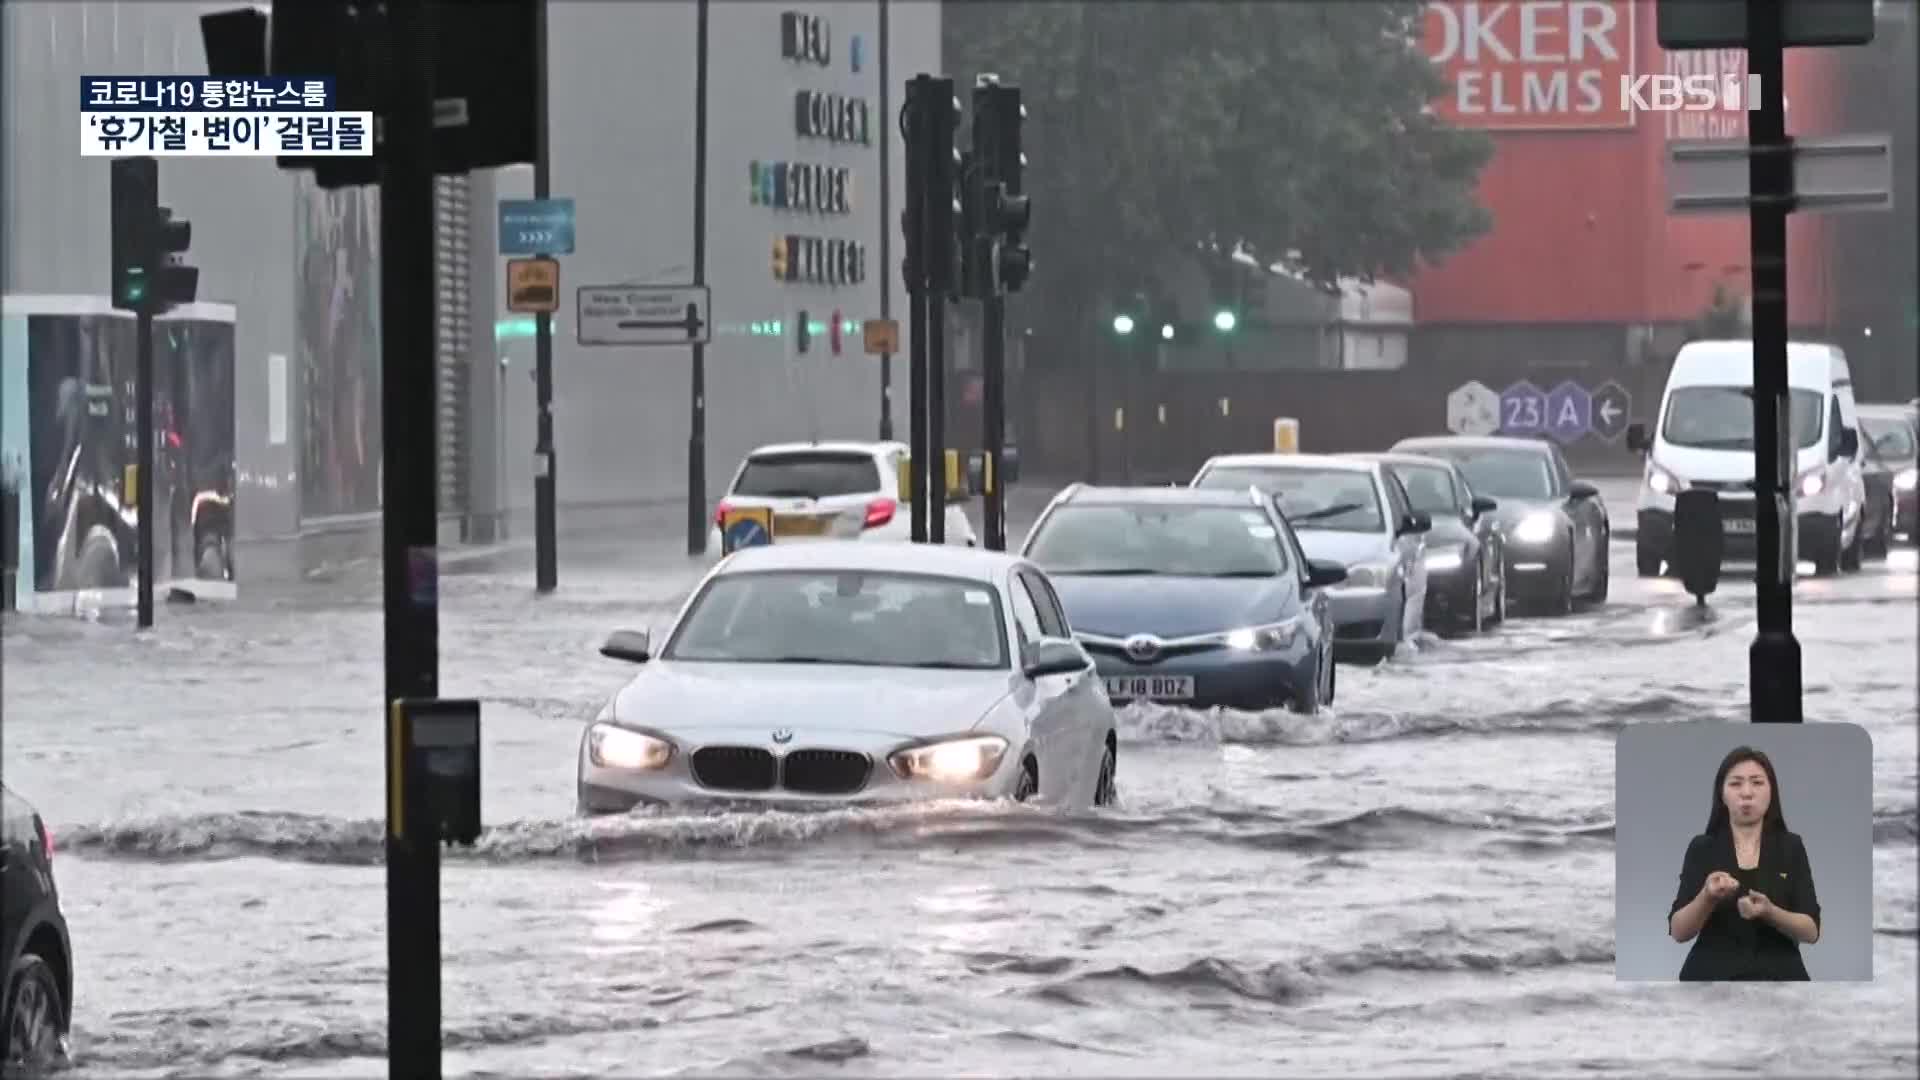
(143, 455)
(697, 397)
(409, 519)
(886, 219)
(1775, 656)
(546, 557)
(993, 395)
(914, 222)
(937, 409)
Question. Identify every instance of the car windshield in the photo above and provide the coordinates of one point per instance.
(1721, 417)
(843, 617)
(1192, 541)
(1891, 436)
(1429, 488)
(1329, 500)
(808, 475)
(1502, 474)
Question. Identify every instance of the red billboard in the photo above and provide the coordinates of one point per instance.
(1532, 65)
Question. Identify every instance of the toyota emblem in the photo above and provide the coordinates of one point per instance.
(1142, 647)
(783, 736)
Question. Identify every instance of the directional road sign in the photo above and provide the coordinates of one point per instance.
(1569, 412)
(536, 226)
(1523, 409)
(533, 286)
(644, 315)
(1842, 172)
(1473, 408)
(882, 336)
(746, 526)
(1612, 406)
(1691, 24)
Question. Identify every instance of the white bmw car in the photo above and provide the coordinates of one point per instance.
(847, 673)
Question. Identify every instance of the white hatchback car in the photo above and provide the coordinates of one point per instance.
(830, 490)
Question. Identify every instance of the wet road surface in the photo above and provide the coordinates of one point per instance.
(1419, 882)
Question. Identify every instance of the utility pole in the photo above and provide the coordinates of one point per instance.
(409, 513)
(697, 403)
(546, 510)
(886, 217)
(929, 122)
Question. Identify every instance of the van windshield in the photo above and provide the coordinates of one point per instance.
(1721, 417)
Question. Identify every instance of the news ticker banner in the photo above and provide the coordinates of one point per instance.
(197, 116)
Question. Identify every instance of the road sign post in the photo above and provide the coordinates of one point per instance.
(643, 315)
(1569, 412)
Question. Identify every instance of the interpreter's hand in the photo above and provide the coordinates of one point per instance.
(1755, 905)
(1721, 885)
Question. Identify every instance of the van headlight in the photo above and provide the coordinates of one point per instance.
(1536, 528)
(1812, 484)
(613, 747)
(1663, 482)
(1445, 559)
(952, 761)
(1269, 638)
(1905, 479)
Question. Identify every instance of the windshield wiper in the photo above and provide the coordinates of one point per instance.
(1328, 511)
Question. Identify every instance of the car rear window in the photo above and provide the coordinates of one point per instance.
(808, 475)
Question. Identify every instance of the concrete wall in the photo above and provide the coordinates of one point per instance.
(626, 158)
(57, 223)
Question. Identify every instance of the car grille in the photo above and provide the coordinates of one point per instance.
(825, 772)
(734, 768)
(1721, 485)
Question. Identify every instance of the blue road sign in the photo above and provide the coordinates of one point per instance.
(1569, 412)
(536, 226)
(1612, 406)
(746, 528)
(1523, 409)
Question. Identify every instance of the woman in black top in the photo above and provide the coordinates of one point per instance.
(1746, 897)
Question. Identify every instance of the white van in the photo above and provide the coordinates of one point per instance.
(1704, 439)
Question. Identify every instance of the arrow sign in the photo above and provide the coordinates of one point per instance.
(1612, 406)
(644, 315)
(690, 323)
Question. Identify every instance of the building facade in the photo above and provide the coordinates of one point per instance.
(797, 123)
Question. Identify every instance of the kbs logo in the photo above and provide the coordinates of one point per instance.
(1690, 93)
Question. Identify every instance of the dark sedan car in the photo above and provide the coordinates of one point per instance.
(39, 1004)
(1197, 597)
(1893, 435)
(1466, 552)
(1555, 526)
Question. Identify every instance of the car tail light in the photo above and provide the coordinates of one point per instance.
(46, 837)
(720, 516)
(879, 512)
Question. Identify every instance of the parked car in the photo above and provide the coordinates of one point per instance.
(38, 1008)
(1466, 548)
(1893, 433)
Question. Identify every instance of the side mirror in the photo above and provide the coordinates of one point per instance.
(1483, 506)
(633, 646)
(1849, 442)
(1321, 573)
(1637, 440)
(1053, 656)
(1580, 490)
(1415, 523)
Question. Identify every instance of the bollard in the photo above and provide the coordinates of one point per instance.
(1286, 435)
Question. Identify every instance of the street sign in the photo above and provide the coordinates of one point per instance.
(1707, 24)
(533, 286)
(1612, 407)
(1569, 412)
(746, 526)
(536, 226)
(1523, 409)
(643, 315)
(1473, 409)
(882, 336)
(1835, 173)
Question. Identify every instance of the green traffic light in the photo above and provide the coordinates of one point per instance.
(1225, 321)
(1123, 324)
(1166, 331)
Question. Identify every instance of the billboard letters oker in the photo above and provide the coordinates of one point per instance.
(1537, 66)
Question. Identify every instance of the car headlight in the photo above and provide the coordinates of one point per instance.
(1664, 482)
(1280, 635)
(613, 747)
(1812, 484)
(953, 761)
(1905, 479)
(1446, 558)
(1369, 575)
(1536, 528)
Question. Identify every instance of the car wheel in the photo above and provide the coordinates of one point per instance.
(1605, 581)
(1851, 557)
(1476, 618)
(1333, 680)
(1104, 790)
(33, 1017)
(1029, 784)
(1563, 603)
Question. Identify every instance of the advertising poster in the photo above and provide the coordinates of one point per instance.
(80, 372)
(338, 350)
(14, 444)
(193, 358)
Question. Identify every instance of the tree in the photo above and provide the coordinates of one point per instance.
(1725, 316)
(1298, 129)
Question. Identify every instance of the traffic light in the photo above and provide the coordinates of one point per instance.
(1123, 324)
(149, 246)
(945, 173)
(1225, 320)
(1004, 211)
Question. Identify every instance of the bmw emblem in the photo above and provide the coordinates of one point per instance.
(783, 736)
(1142, 647)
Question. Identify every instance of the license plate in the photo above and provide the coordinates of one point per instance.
(1151, 687)
(799, 525)
(1740, 525)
